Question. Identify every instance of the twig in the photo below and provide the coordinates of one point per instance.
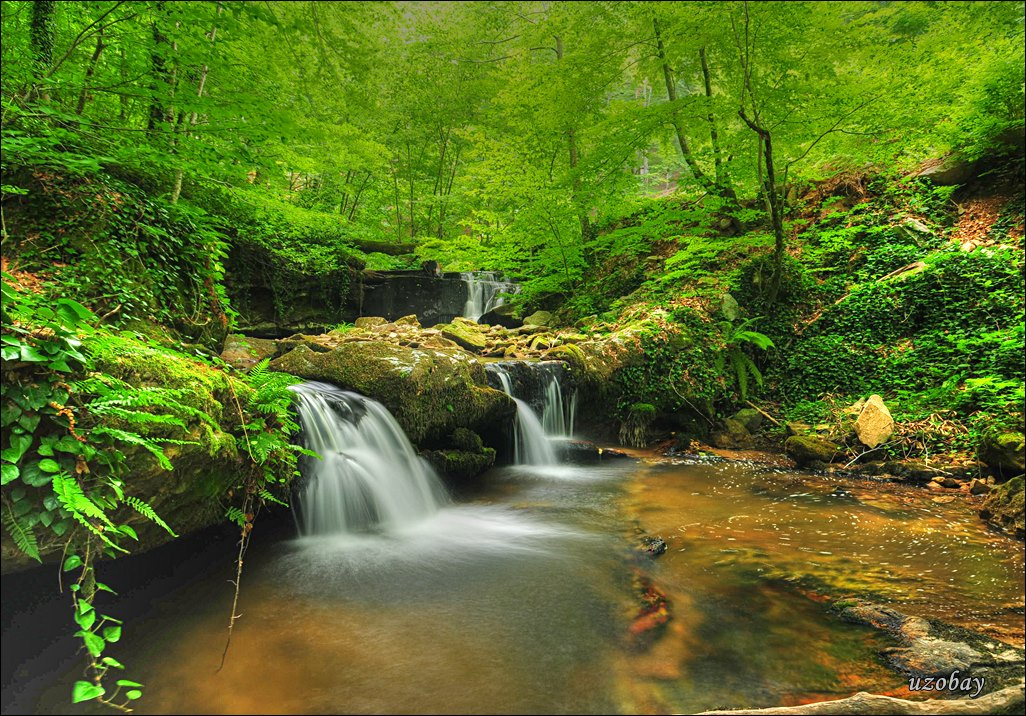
(109, 313)
(243, 543)
(763, 413)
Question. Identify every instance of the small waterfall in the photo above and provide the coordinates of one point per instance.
(368, 475)
(484, 292)
(539, 387)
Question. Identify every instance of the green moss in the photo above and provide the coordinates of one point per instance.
(1005, 506)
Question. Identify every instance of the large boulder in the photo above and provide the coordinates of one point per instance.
(1004, 507)
(750, 418)
(806, 449)
(430, 392)
(875, 423)
(1004, 453)
(503, 315)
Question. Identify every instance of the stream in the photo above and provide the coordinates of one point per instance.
(514, 597)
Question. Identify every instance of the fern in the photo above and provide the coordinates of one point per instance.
(236, 515)
(81, 508)
(135, 439)
(20, 532)
(265, 494)
(146, 511)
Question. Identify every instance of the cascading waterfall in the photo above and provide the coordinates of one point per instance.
(368, 475)
(533, 437)
(484, 292)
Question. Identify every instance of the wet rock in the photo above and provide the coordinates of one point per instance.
(1004, 507)
(651, 615)
(582, 452)
(430, 392)
(806, 449)
(948, 482)
(733, 436)
(931, 648)
(504, 315)
(1004, 453)
(650, 546)
(792, 428)
(750, 418)
(978, 487)
(874, 424)
(460, 464)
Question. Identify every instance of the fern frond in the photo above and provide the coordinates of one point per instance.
(80, 507)
(266, 494)
(20, 532)
(135, 439)
(148, 512)
(236, 515)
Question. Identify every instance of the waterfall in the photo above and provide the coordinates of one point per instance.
(484, 292)
(540, 385)
(368, 474)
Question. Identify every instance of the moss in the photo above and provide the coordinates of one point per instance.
(460, 464)
(430, 392)
(465, 334)
(805, 449)
(1005, 507)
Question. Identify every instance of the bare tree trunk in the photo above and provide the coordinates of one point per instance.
(359, 193)
(571, 138)
(159, 74)
(775, 198)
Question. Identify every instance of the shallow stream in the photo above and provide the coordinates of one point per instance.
(516, 598)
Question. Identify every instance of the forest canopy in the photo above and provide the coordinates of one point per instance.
(496, 135)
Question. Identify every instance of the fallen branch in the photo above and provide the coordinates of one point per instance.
(763, 413)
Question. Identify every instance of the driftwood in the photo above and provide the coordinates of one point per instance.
(1011, 700)
(763, 413)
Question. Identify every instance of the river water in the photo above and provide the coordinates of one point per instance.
(516, 598)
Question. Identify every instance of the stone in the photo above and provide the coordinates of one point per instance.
(1004, 507)
(650, 546)
(244, 352)
(504, 315)
(978, 487)
(460, 464)
(733, 436)
(430, 392)
(950, 171)
(947, 482)
(410, 320)
(875, 423)
(1004, 453)
(807, 449)
(750, 418)
(466, 334)
(538, 318)
(944, 499)
(370, 321)
(729, 307)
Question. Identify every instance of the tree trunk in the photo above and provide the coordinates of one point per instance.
(775, 198)
(159, 74)
(571, 138)
(713, 136)
(671, 94)
(179, 172)
(41, 39)
(89, 73)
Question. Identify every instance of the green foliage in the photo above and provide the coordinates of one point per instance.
(735, 340)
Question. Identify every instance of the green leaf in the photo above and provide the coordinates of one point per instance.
(111, 661)
(32, 475)
(72, 562)
(19, 444)
(112, 633)
(48, 465)
(93, 642)
(133, 694)
(85, 691)
(126, 682)
(10, 473)
(30, 354)
(85, 619)
(21, 532)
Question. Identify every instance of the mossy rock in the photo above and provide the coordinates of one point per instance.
(460, 464)
(733, 436)
(806, 449)
(466, 334)
(430, 392)
(750, 418)
(189, 497)
(467, 440)
(244, 352)
(1004, 507)
(1004, 453)
(538, 318)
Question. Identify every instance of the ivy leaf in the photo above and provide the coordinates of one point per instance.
(48, 465)
(85, 691)
(93, 642)
(19, 444)
(10, 473)
(72, 562)
(112, 634)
